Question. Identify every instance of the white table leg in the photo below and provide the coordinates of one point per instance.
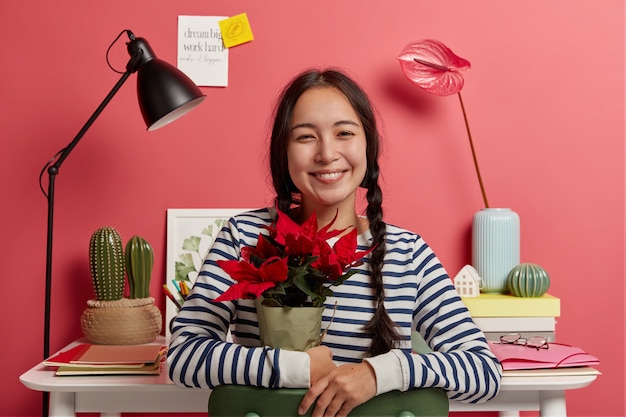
(61, 404)
(552, 404)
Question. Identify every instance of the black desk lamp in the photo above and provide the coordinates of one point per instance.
(164, 94)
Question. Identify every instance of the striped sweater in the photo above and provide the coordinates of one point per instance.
(419, 296)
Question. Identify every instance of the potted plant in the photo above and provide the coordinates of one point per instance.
(111, 318)
(290, 273)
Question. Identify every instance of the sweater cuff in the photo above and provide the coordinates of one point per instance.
(388, 372)
(294, 369)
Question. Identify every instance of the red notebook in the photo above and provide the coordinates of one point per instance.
(86, 354)
(558, 355)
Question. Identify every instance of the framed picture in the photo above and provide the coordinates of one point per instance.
(190, 235)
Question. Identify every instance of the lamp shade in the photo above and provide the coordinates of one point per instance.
(164, 92)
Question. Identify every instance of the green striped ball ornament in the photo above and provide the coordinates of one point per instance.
(528, 280)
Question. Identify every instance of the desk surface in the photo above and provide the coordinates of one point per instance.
(42, 378)
(518, 389)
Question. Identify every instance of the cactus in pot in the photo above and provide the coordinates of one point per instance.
(111, 318)
(139, 261)
(106, 264)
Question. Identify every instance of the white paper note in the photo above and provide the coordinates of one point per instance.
(201, 52)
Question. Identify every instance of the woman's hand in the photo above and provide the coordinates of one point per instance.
(321, 359)
(340, 391)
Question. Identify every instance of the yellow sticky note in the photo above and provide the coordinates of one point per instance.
(236, 30)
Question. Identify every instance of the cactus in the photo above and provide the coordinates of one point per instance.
(139, 261)
(106, 264)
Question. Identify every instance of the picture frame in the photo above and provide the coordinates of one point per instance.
(190, 235)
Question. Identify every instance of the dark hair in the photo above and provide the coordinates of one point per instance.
(382, 330)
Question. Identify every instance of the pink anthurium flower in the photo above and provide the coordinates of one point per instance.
(433, 66)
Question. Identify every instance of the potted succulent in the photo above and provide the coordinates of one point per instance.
(111, 318)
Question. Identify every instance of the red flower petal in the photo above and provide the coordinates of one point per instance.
(324, 234)
(346, 246)
(330, 265)
(245, 290)
(285, 226)
(433, 66)
(274, 269)
(264, 248)
(240, 270)
(246, 251)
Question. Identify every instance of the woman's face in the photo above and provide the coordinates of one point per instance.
(326, 151)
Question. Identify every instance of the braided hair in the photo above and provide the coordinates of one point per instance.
(383, 330)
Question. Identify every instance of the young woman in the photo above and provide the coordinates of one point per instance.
(324, 146)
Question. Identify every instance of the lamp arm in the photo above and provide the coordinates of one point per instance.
(137, 54)
(53, 169)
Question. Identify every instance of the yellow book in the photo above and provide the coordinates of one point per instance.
(506, 305)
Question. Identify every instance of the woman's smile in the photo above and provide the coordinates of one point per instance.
(329, 177)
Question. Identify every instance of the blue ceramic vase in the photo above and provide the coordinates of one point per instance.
(495, 247)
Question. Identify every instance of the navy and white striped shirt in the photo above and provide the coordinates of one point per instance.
(419, 296)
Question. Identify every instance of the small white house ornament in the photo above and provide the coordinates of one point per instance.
(467, 282)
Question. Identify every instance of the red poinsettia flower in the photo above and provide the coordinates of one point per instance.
(293, 265)
(252, 281)
(305, 238)
(263, 250)
(336, 260)
(433, 66)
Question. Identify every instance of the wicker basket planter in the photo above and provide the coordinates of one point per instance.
(121, 322)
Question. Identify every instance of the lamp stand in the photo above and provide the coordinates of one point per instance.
(53, 171)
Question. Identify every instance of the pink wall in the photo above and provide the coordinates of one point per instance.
(545, 98)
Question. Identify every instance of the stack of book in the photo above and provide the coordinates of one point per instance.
(91, 359)
(500, 314)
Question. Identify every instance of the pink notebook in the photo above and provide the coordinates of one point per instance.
(558, 355)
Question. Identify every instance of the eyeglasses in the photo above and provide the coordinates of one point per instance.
(537, 342)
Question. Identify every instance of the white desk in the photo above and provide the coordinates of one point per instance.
(112, 395)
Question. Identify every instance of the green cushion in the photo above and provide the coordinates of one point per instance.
(247, 401)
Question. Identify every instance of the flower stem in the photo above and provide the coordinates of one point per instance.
(469, 135)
